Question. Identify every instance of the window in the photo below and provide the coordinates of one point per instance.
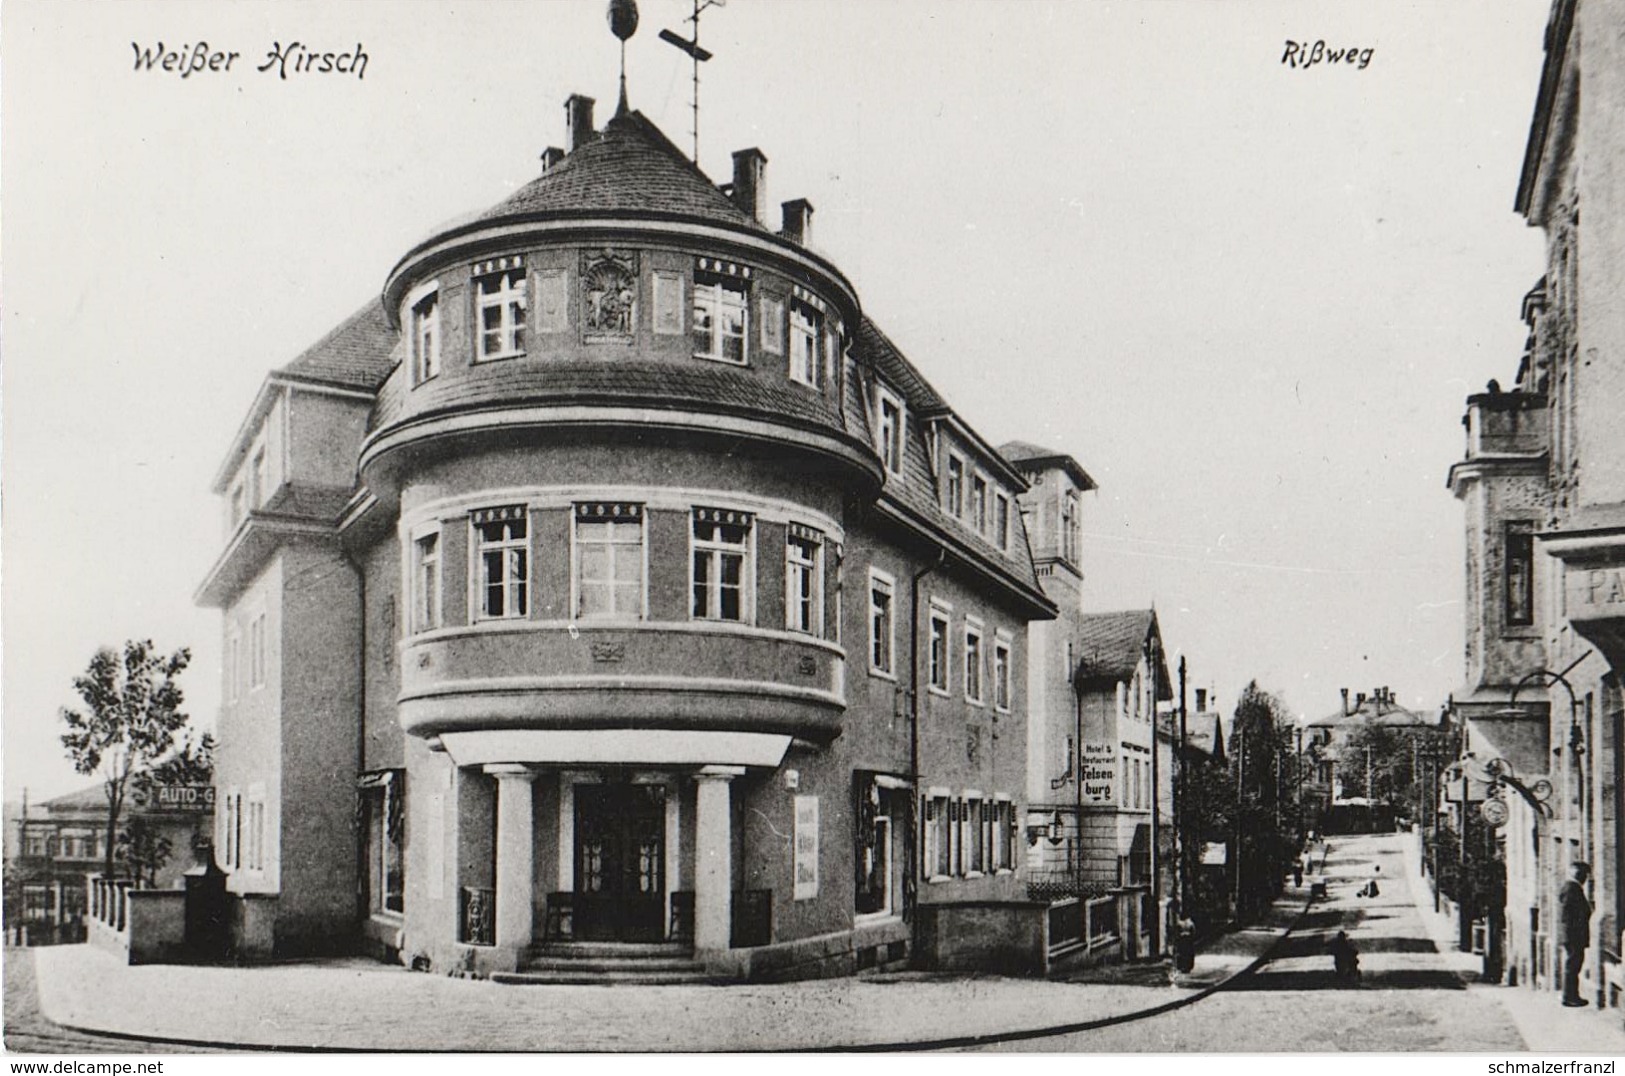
(1001, 521)
(1002, 831)
(234, 666)
(973, 660)
(258, 479)
(890, 420)
(978, 504)
(384, 803)
(501, 300)
(803, 580)
(502, 553)
(881, 591)
(425, 339)
(1001, 673)
(239, 504)
(938, 835)
(976, 832)
(1070, 533)
(719, 318)
(805, 328)
(721, 546)
(232, 830)
(1520, 574)
(882, 817)
(954, 491)
(254, 858)
(426, 582)
(38, 844)
(256, 651)
(937, 651)
(609, 561)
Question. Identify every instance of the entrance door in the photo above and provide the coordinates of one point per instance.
(620, 855)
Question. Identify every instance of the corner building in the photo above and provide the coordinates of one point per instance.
(582, 595)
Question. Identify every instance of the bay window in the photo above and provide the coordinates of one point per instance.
(803, 580)
(500, 298)
(609, 561)
(719, 318)
(502, 559)
(720, 545)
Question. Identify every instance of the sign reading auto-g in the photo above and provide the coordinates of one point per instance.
(178, 798)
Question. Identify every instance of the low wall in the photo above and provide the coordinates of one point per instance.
(253, 926)
(1005, 937)
(880, 945)
(157, 933)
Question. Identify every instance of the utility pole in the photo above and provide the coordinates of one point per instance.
(1156, 804)
(1241, 775)
(1180, 804)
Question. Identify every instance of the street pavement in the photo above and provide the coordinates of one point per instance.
(1413, 997)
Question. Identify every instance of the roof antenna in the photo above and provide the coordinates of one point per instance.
(699, 54)
(623, 23)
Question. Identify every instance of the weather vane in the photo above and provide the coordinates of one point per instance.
(623, 23)
(698, 54)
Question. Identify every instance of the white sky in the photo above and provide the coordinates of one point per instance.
(1249, 299)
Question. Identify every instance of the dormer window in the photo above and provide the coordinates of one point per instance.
(423, 320)
(719, 318)
(954, 488)
(1001, 521)
(499, 288)
(805, 328)
(889, 421)
(978, 503)
(258, 479)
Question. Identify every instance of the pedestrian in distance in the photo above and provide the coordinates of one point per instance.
(1297, 875)
(1345, 958)
(1576, 919)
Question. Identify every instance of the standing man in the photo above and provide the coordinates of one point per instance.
(1576, 912)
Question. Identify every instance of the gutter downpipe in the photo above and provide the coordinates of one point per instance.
(362, 911)
(914, 864)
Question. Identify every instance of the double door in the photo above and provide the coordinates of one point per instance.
(620, 862)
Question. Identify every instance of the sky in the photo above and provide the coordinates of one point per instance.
(1249, 298)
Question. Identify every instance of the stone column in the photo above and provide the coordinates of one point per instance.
(515, 846)
(713, 857)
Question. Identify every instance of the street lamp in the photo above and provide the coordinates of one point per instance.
(1572, 758)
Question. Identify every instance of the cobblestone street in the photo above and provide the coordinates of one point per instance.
(1413, 997)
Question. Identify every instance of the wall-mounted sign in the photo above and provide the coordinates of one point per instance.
(177, 798)
(1098, 773)
(806, 848)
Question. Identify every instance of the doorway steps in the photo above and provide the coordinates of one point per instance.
(608, 964)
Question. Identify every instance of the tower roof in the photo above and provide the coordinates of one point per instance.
(1028, 458)
(629, 168)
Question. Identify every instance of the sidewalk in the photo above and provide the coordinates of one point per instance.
(355, 1005)
(1545, 1026)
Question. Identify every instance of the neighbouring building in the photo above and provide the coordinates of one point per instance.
(1339, 778)
(1543, 488)
(52, 847)
(616, 580)
(1095, 682)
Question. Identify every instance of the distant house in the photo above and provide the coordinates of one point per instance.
(53, 845)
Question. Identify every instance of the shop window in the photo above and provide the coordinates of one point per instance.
(1001, 674)
(937, 650)
(426, 582)
(806, 327)
(424, 325)
(973, 660)
(502, 557)
(500, 298)
(882, 590)
(609, 561)
(721, 558)
(803, 580)
(1520, 574)
(384, 804)
(719, 318)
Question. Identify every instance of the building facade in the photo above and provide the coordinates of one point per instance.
(1095, 685)
(616, 580)
(1543, 485)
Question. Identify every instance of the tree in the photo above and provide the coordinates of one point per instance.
(142, 849)
(132, 712)
(1265, 820)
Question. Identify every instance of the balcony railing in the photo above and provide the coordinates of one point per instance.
(478, 916)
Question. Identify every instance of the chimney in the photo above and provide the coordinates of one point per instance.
(1201, 700)
(551, 156)
(578, 119)
(798, 220)
(750, 181)
(1345, 702)
(1359, 700)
